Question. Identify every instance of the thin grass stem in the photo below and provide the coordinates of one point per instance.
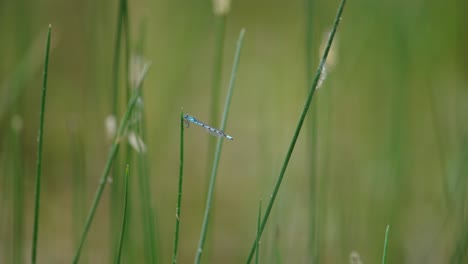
(299, 126)
(114, 192)
(124, 218)
(112, 154)
(179, 193)
(147, 216)
(384, 257)
(259, 218)
(129, 151)
(217, 155)
(220, 25)
(39, 150)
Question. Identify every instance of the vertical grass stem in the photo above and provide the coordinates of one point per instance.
(39, 151)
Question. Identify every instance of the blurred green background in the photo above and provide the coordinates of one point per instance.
(385, 141)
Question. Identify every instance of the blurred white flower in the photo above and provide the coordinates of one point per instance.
(111, 126)
(138, 68)
(136, 142)
(221, 7)
(355, 258)
(331, 59)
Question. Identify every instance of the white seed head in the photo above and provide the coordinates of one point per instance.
(136, 142)
(111, 126)
(332, 58)
(138, 68)
(221, 7)
(354, 258)
(323, 76)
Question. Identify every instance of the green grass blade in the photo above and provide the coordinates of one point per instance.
(116, 64)
(220, 26)
(124, 218)
(384, 257)
(39, 150)
(214, 170)
(259, 218)
(147, 211)
(299, 126)
(112, 154)
(179, 193)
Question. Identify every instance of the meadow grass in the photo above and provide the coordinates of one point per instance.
(323, 245)
(119, 137)
(217, 154)
(259, 218)
(384, 255)
(39, 151)
(124, 218)
(220, 28)
(121, 38)
(179, 189)
(147, 210)
(298, 128)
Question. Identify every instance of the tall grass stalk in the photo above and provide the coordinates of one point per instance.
(220, 26)
(115, 190)
(121, 18)
(112, 154)
(299, 127)
(114, 193)
(124, 218)
(217, 155)
(384, 256)
(147, 216)
(129, 151)
(220, 29)
(147, 211)
(179, 192)
(257, 251)
(39, 150)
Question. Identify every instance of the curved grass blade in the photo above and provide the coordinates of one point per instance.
(124, 219)
(112, 154)
(39, 151)
(179, 193)
(259, 218)
(384, 257)
(298, 128)
(217, 155)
